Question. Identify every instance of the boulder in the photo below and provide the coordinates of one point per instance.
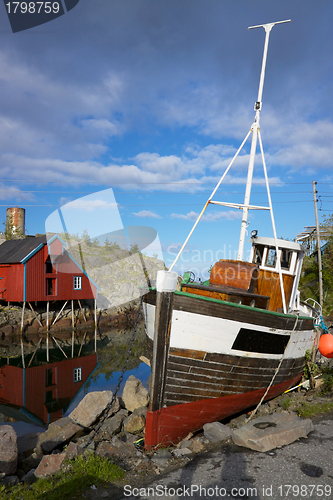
(112, 425)
(27, 442)
(8, 450)
(50, 465)
(91, 407)
(216, 432)
(134, 394)
(58, 433)
(117, 448)
(135, 423)
(268, 432)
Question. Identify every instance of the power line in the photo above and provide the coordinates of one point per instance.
(150, 205)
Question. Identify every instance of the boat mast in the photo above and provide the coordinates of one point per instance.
(255, 126)
(246, 206)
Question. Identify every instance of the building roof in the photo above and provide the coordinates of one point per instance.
(14, 251)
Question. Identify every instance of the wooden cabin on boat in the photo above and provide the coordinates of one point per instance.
(40, 269)
(256, 283)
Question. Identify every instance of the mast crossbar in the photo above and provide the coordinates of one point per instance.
(238, 205)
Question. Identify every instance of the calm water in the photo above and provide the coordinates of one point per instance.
(41, 392)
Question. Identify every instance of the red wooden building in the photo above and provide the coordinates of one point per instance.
(41, 394)
(34, 269)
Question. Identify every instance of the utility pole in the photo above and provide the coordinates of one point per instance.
(318, 245)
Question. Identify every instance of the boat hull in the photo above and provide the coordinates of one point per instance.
(169, 425)
(221, 358)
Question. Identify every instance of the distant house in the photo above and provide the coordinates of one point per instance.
(34, 269)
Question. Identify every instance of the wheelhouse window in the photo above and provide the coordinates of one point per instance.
(286, 258)
(258, 254)
(271, 257)
(77, 282)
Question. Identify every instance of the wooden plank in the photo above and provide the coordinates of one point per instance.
(163, 316)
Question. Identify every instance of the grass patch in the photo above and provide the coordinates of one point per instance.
(328, 380)
(82, 472)
(286, 402)
(307, 410)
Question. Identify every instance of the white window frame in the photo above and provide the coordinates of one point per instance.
(77, 374)
(77, 282)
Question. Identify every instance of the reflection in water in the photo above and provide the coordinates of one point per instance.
(43, 392)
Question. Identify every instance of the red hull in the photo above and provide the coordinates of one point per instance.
(171, 424)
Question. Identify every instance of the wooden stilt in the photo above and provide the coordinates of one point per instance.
(72, 343)
(72, 313)
(60, 347)
(84, 338)
(83, 314)
(32, 357)
(21, 335)
(95, 319)
(59, 313)
(22, 353)
(47, 331)
(22, 318)
(35, 314)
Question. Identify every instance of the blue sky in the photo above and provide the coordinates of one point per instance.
(151, 99)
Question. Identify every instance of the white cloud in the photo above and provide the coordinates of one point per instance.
(14, 193)
(209, 217)
(147, 214)
(89, 205)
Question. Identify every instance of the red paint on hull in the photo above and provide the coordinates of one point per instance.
(170, 425)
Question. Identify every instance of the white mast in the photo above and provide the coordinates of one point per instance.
(254, 128)
(246, 206)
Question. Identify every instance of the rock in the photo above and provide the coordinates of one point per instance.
(196, 445)
(162, 457)
(180, 452)
(50, 465)
(73, 450)
(7, 329)
(135, 423)
(29, 477)
(113, 425)
(27, 442)
(31, 462)
(91, 407)
(269, 432)
(216, 432)
(134, 394)
(184, 444)
(8, 450)
(10, 481)
(58, 433)
(117, 448)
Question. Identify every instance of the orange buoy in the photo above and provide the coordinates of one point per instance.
(326, 345)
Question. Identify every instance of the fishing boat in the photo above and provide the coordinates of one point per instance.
(239, 338)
